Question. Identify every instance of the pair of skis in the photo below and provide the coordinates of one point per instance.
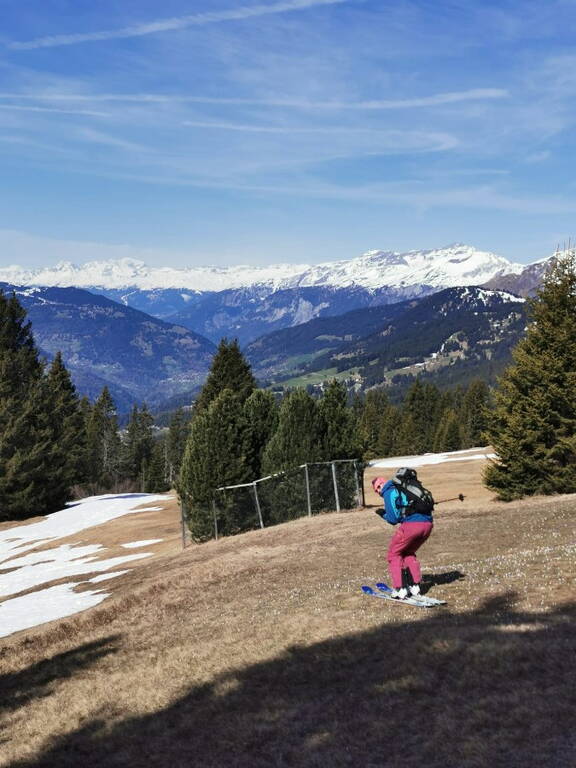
(385, 592)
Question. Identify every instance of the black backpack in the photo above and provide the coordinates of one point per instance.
(420, 498)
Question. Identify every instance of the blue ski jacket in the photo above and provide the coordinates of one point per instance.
(397, 507)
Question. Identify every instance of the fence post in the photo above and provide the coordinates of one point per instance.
(308, 490)
(215, 519)
(183, 519)
(335, 487)
(257, 500)
(358, 498)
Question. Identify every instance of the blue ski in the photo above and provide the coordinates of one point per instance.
(407, 600)
(424, 599)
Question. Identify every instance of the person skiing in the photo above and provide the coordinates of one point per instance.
(408, 505)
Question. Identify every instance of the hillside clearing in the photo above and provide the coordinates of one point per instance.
(260, 650)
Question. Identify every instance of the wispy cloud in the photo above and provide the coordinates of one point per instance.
(438, 99)
(171, 24)
(29, 108)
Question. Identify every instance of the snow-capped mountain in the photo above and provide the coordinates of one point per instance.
(437, 268)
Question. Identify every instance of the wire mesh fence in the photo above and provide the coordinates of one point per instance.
(310, 489)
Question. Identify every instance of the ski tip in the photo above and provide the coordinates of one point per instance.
(383, 587)
(367, 590)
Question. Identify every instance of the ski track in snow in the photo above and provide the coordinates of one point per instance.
(22, 569)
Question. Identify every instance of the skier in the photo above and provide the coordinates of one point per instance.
(415, 521)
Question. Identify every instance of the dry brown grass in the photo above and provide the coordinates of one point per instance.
(261, 650)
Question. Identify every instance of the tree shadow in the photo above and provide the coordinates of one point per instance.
(36, 681)
(463, 690)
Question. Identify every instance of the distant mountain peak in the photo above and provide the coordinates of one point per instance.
(456, 264)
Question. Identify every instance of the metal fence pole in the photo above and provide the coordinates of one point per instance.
(358, 499)
(215, 519)
(308, 490)
(257, 500)
(183, 519)
(335, 487)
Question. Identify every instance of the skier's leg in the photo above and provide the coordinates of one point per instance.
(415, 537)
(396, 558)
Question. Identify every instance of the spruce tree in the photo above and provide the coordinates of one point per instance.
(261, 416)
(298, 436)
(339, 441)
(103, 444)
(214, 457)
(27, 457)
(155, 469)
(474, 413)
(175, 445)
(448, 433)
(138, 443)
(229, 370)
(68, 433)
(533, 425)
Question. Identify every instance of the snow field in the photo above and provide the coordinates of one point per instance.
(23, 569)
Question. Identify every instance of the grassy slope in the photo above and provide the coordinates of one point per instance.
(260, 650)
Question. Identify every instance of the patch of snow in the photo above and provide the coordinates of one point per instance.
(106, 576)
(45, 605)
(94, 510)
(425, 459)
(59, 563)
(144, 543)
(24, 569)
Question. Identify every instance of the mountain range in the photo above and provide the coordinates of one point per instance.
(149, 333)
(248, 302)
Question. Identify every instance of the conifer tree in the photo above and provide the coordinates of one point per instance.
(261, 417)
(68, 434)
(339, 440)
(474, 413)
(378, 425)
(26, 437)
(298, 436)
(138, 443)
(229, 370)
(155, 470)
(175, 445)
(213, 458)
(104, 445)
(533, 425)
(448, 433)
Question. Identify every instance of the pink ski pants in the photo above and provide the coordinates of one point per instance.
(408, 538)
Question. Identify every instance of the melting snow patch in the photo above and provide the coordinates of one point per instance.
(432, 458)
(23, 569)
(45, 605)
(144, 543)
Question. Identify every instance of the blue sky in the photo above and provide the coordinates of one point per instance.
(203, 132)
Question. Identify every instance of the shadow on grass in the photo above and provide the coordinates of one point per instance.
(492, 687)
(37, 680)
(436, 579)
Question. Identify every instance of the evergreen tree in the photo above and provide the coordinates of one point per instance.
(533, 425)
(474, 413)
(448, 433)
(155, 470)
(298, 436)
(213, 458)
(68, 434)
(27, 457)
(175, 445)
(339, 440)
(229, 370)
(372, 432)
(261, 417)
(139, 442)
(104, 445)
